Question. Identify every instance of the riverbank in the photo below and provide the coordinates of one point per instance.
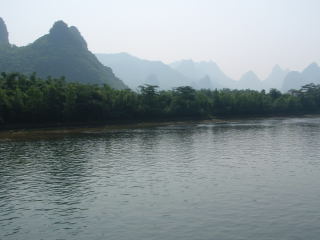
(57, 129)
(34, 131)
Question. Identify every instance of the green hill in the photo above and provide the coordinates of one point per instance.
(62, 52)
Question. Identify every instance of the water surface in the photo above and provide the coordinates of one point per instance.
(244, 179)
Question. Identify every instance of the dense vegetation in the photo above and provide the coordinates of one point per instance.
(29, 99)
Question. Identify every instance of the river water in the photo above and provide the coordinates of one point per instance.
(242, 179)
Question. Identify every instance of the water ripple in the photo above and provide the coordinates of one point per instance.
(244, 179)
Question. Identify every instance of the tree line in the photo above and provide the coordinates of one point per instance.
(30, 99)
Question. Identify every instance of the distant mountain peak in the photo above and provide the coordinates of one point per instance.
(312, 66)
(136, 71)
(277, 68)
(196, 71)
(4, 35)
(275, 78)
(61, 34)
(250, 80)
(250, 74)
(293, 80)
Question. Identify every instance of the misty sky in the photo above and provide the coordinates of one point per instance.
(239, 35)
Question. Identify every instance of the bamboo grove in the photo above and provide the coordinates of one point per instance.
(29, 99)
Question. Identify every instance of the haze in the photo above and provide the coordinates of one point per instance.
(238, 35)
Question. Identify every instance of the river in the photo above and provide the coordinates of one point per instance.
(241, 179)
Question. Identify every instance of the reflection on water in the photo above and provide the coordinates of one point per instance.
(249, 179)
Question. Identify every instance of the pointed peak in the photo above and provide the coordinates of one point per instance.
(250, 75)
(311, 68)
(4, 35)
(59, 28)
(61, 34)
(313, 65)
(59, 25)
(276, 68)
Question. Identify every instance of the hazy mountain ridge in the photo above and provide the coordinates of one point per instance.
(295, 79)
(200, 75)
(219, 79)
(249, 80)
(61, 52)
(275, 78)
(200, 70)
(135, 71)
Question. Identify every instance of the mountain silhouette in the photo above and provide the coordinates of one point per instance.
(275, 78)
(199, 70)
(249, 80)
(295, 80)
(135, 71)
(61, 52)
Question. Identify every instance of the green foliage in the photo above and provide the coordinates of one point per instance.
(30, 99)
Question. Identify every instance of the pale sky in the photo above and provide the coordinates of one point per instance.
(239, 35)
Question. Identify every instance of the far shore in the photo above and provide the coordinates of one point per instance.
(34, 131)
